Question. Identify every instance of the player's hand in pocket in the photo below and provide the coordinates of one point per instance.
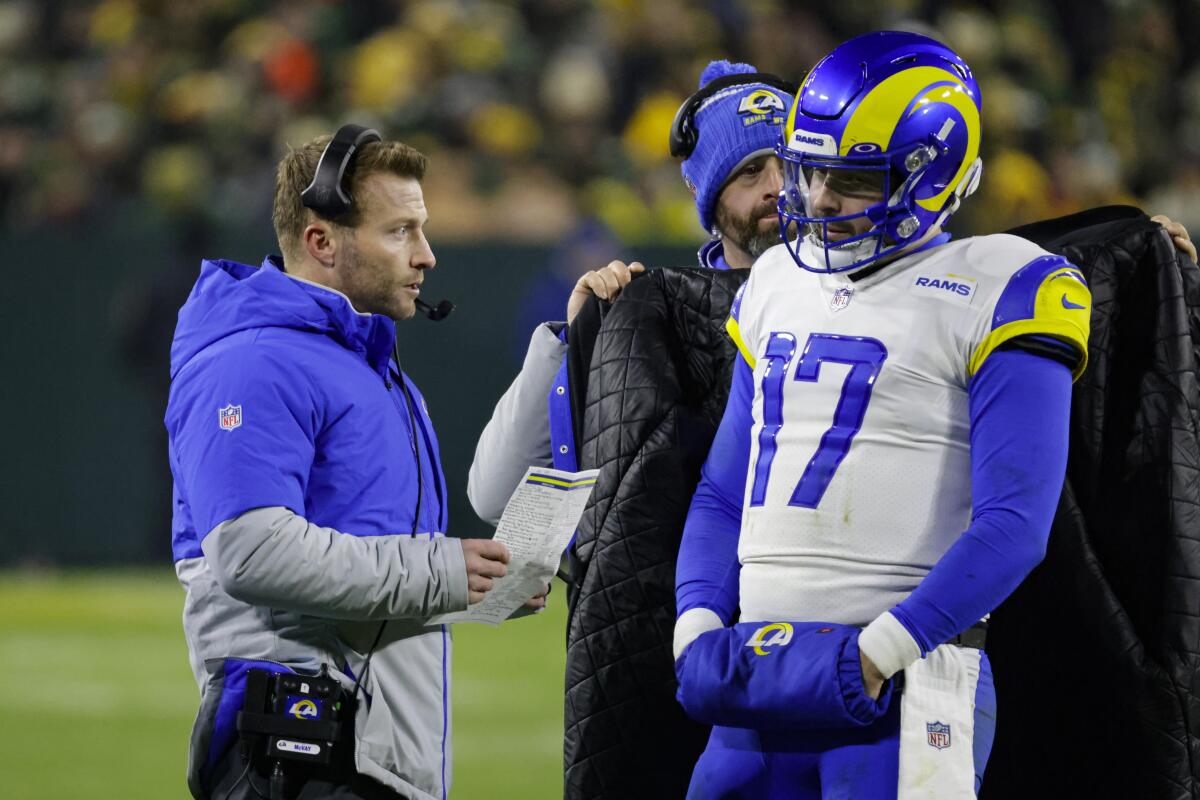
(486, 561)
(605, 283)
(872, 677)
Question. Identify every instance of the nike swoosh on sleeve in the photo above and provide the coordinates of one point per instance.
(1068, 304)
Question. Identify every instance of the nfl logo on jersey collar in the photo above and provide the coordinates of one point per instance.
(841, 298)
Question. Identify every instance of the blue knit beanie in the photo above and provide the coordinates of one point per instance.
(733, 126)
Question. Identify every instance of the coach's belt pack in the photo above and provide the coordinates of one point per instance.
(293, 717)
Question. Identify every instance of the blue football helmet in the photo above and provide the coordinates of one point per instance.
(888, 114)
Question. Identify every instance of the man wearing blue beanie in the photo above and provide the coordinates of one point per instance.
(726, 133)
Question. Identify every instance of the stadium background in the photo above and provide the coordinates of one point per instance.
(138, 136)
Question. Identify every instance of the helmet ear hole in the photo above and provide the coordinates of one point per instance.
(898, 179)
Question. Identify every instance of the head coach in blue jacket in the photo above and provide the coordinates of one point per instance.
(309, 499)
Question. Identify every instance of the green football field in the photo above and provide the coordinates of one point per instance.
(100, 699)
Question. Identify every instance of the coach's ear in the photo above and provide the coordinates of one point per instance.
(691, 624)
(320, 242)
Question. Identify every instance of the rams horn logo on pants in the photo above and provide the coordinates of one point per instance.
(780, 634)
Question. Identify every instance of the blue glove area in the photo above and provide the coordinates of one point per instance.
(782, 675)
(1020, 407)
(706, 575)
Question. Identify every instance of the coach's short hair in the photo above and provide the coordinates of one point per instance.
(296, 169)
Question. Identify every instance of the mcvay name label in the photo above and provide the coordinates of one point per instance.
(307, 748)
(951, 288)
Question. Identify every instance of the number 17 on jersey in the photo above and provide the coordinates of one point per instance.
(864, 356)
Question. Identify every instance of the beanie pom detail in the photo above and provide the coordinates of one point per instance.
(719, 69)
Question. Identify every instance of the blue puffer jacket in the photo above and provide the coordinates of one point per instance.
(297, 528)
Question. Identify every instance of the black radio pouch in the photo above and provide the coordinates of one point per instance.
(292, 717)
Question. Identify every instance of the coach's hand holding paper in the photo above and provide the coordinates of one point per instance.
(536, 526)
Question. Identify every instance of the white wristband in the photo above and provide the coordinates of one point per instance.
(888, 644)
(691, 624)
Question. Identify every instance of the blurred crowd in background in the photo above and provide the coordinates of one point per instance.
(541, 116)
(137, 136)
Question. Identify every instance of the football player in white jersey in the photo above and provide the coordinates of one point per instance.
(891, 456)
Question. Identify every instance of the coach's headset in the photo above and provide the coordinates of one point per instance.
(684, 135)
(328, 198)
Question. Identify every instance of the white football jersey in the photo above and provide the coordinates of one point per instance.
(860, 466)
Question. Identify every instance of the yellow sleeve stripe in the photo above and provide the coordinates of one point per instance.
(1061, 308)
(735, 333)
(1059, 329)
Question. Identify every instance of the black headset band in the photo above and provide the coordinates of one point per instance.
(326, 195)
(683, 129)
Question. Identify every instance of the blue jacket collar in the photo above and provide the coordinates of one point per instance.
(230, 297)
(712, 254)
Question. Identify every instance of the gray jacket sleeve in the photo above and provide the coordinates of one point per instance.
(518, 434)
(273, 557)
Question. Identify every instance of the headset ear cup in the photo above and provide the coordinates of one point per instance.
(682, 140)
(326, 195)
(683, 137)
(687, 138)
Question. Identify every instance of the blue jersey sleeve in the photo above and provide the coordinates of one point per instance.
(707, 572)
(1020, 409)
(242, 429)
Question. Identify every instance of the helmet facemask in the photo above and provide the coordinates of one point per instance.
(894, 177)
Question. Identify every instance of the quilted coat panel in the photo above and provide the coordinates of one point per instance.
(1096, 653)
(656, 389)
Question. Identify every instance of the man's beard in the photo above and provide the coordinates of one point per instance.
(746, 232)
(368, 288)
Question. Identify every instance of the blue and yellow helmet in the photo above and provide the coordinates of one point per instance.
(894, 113)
